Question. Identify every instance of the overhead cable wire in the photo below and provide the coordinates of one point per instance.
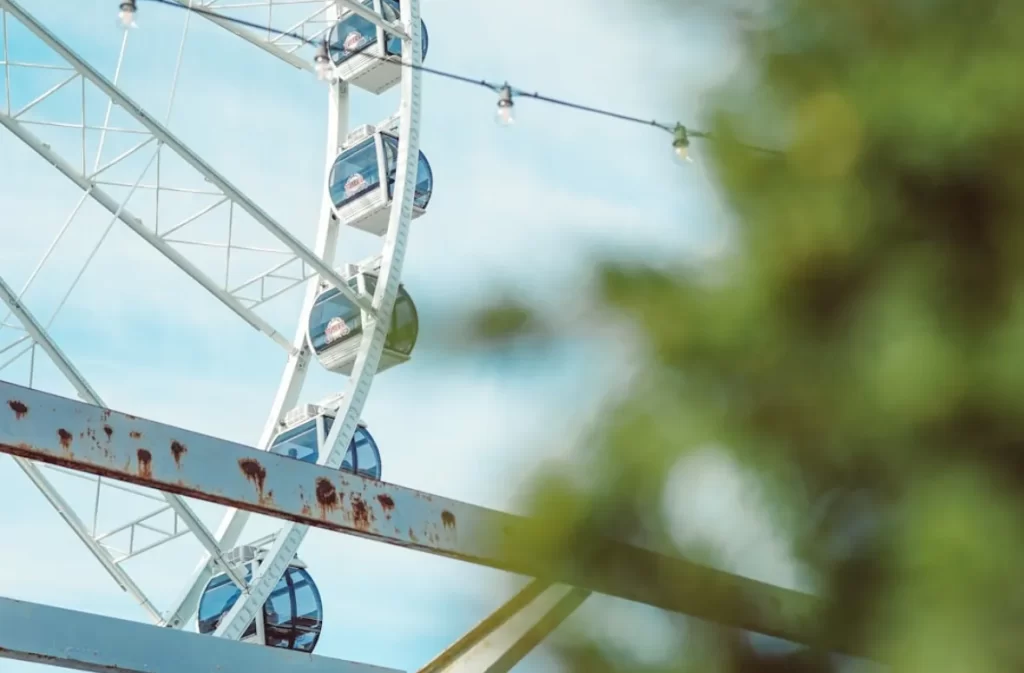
(682, 134)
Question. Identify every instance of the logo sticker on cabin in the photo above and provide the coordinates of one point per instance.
(354, 40)
(355, 183)
(336, 329)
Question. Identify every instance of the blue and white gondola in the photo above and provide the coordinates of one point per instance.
(292, 616)
(364, 54)
(304, 432)
(363, 177)
(335, 327)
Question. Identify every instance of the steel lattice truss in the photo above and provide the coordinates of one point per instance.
(116, 152)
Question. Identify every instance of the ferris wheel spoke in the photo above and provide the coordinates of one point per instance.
(101, 553)
(135, 223)
(41, 338)
(263, 13)
(213, 183)
(198, 216)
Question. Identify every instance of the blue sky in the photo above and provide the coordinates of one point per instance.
(524, 208)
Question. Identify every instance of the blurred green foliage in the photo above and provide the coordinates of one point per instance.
(860, 350)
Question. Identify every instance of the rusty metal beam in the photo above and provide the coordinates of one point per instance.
(57, 430)
(43, 634)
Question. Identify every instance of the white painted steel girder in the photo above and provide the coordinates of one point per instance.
(81, 641)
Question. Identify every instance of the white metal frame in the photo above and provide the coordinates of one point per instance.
(295, 370)
(155, 136)
(375, 327)
(164, 137)
(15, 121)
(85, 391)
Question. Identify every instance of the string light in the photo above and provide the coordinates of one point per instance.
(322, 62)
(506, 107)
(681, 143)
(681, 135)
(126, 13)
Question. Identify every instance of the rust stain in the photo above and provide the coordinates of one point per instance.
(448, 519)
(65, 439)
(135, 434)
(109, 431)
(412, 536)
(18, 408)
(360, 513)
(178, 450)
(326, 496)
(145, 463)
(386, 503)
(253, 472)
(306, 511)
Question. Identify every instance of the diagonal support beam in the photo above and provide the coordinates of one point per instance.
(249, 36)
(81, 641)
(135, 224)
(53, 429)
(86, 392)
(165, 137)
(500, 641)
(77, 526)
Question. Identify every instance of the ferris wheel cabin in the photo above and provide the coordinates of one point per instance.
(304, 432)
(292, 616)
(336, 325)
(364, 54)
(362, 180)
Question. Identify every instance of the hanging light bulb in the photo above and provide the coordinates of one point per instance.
(322, 61)
(681, 143)
(126, 13)
(506, 107)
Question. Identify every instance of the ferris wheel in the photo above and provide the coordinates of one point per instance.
(357, 319)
